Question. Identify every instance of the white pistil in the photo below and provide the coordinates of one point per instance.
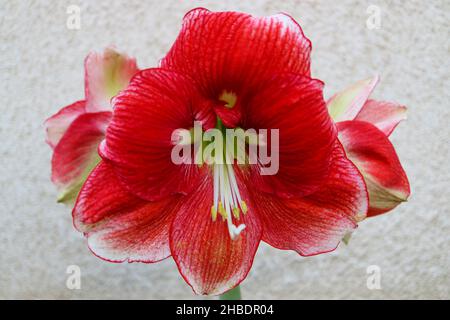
(227, 199)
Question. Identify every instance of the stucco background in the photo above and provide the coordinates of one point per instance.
(41, 70)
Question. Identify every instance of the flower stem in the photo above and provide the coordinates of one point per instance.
(233, 294)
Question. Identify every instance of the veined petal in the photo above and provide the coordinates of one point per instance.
(56, 125)
(234, 51)
(139, 139)
(105, 75)
(294, 105)
(372, 152)
(347, 104)
(316, 223)
(76, 153)
(383, 115)
(119, 226)
(207, 258)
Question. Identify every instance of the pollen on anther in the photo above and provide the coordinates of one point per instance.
(213, 213)
(222, 211)
(230, 205)
(236, 213)
(243, 207)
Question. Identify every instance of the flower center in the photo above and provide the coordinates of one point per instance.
(229, 98)
(227, 199)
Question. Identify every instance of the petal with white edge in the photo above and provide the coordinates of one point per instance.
(372, 152)
(119, 226)
(347, 104)
(76, 154)
(316, 223)
(237, 51)
(383, 115)
(105, 75)
(206, 256)
(56, 125)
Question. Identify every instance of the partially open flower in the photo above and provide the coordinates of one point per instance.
(75, 132)
(226, 70)
(364, 126)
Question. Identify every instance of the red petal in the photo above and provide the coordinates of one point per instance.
(119, 226)
(57, 124)
(105, 75)
(76, 154)
(138, 140)
(315, 224)
(232, 50)
(373, 154)
(383, 115)
(293, 104)
(207, 258)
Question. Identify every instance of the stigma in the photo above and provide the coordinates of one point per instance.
(227, 199)
(229, 98)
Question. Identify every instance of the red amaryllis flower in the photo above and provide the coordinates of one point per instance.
(225, 70)
(75, 132)
(364, 127)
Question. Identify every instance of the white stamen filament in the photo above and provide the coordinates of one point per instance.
(227, 199)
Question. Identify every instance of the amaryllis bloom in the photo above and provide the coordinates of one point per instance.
(225, 70)
(75, 132)
(364, 126)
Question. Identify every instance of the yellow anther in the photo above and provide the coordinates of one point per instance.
(243, 207)
(222, 211)
(230, 205)
(236, 213)
(213, 213)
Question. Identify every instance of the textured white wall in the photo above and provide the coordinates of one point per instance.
(41, 70)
